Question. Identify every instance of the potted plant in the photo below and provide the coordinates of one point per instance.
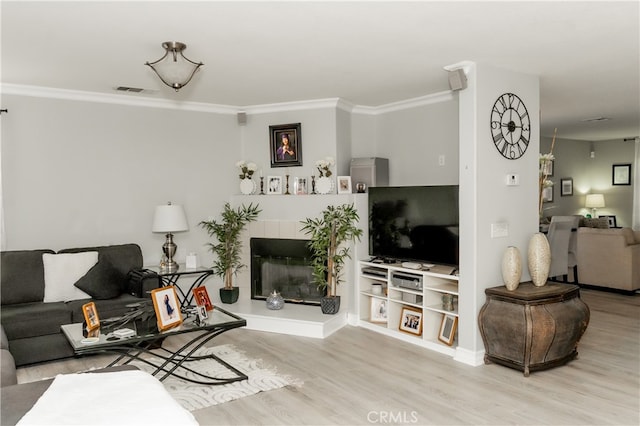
(228, 247)
(336, 226)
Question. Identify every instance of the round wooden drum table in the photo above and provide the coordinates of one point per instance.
(533, 328)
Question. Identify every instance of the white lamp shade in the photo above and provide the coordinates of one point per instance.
(169, 218)
(594, 201)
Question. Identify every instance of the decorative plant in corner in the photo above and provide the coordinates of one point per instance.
(336, 226)
(229, 246)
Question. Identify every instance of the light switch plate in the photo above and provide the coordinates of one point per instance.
(513, 179)
(499, 230)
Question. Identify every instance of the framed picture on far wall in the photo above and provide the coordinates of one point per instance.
(167, 307)
(621, 174)
(285, 145)
(566, 187)
(411, 321)
(547, 194)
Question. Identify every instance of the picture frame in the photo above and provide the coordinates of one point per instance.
(201, 297)
(566, 187)
(167, 307)
(621, 174)
(300, 186)
(91, 316)
(411, 320)
(613, 223)
(448, 328)
(547, 168)
(547, 194)
(274, 185)
(379, 310)
(285, 145)
(202, 312)
(344, 184)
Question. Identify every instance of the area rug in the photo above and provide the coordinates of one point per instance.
(194, 397)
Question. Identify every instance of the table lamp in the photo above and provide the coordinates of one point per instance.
(594, 202)
(168, 219)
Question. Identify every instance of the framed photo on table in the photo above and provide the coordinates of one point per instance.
(91, 316)
(448, 328)
(167, 307)
(285, 145)
(201, 296)
(411, 321)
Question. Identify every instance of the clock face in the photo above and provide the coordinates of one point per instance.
(510, 126)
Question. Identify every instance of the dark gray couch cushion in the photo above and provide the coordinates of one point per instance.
(34, 319)
(101, 281)
(123, 257)
(22, 276)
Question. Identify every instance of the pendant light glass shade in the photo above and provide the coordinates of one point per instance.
(174, 69)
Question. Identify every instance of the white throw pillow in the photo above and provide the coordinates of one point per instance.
(61, 271)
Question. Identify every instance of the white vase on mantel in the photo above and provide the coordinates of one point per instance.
(539, 259)
(324, 185)
(511, 268)
(247, 186)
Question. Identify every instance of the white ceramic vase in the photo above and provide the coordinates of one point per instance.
(324, 185)
(247, 186)
(539, 259)
(511, 268)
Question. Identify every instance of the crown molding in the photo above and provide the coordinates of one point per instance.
(434, 98)
(120, 99)
(141, 101)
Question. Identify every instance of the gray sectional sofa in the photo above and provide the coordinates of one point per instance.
(32, 326)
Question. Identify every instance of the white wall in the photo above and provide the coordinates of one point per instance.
(79, 173)
(414, 138)
(485, 198)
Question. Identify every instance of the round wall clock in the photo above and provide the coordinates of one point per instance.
(510, 126)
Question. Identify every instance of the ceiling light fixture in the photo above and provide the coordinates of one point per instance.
(177, 70)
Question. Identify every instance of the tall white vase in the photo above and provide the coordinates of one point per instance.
(511, 268)
(539, 259)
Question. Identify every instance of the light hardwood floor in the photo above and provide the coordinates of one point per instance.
(358, 377)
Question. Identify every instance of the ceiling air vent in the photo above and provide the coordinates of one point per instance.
(595, 119)
(133, 90)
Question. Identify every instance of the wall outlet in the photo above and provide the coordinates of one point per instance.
(441, 160)
(513, 179)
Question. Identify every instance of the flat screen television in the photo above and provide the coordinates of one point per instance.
(415, 223)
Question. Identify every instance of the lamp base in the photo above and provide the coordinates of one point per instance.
(169, 249)
(169, 267)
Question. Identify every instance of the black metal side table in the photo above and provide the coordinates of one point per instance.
(171, 278)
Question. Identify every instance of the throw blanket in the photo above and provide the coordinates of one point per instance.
(118, 398)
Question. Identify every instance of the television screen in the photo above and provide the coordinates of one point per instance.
(414, 223)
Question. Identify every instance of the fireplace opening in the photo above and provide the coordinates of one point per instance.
(283, 265)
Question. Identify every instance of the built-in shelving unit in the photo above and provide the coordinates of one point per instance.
(418, 289)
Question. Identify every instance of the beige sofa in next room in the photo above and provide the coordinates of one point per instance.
(609, 258)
